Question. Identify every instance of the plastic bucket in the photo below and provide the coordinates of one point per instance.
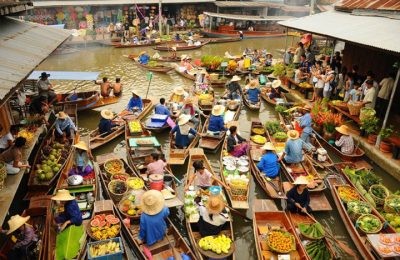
(168, 180)
(156, 183)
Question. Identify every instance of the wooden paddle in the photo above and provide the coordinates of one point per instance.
(175, 252)
(237, 212)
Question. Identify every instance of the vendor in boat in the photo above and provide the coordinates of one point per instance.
(234, 89)
(39, 106)
(117, 87)
(153, 220)
(154, 164)
(64, 126)
(83, 163)
(45, 88)
(71, 215)
(105, 87)
(294, 148)
(236, 145)
(253, 92)
(204, 178)
(179, 95)
(268, 59)
(185, 63)
(202, 78)
(216, 124)
(193, 111)
(213, 216)
(269, 163)
(173, 52)
(106, 126)
(23, 235)
(144, 58)
(305, 122)
(190, 41)
(135, 40)
(177, 37)
(13, 156)
(241, 35)
(161, 109)
(345, 142)
(135, 104)
(298, 197)
(275, 91)
(184, 133)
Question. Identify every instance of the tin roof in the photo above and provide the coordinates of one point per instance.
(248, 17)
(112, 2)
(23, 46)
(253, 4)
(378, 32)
(349, 5)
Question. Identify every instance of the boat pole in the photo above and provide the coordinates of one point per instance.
(149, 77)
(160, 17)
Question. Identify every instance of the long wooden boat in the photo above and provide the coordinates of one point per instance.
(363, 245)
(157, 68)
(191, 224)
(180, 47)
(167, 59)
(265, 96)
(266, 217)
(251, 106)
(36, 186)
(272, 187)
(97, 140)
(132, 45)
(156, 130)
(86, 100)
(223, 40)
(160, 250)
(215, 83)
(246, 34)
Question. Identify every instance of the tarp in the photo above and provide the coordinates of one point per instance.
(66, 75)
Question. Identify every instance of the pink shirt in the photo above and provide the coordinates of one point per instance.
(203, 179)
(156, 167)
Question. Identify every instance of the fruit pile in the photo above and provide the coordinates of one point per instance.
(118, 187)
(219, 245)
(120, 177)
(258, 131)
(258, 139)
(25, 133)
(347, 193)
(317, 250)
(114, 166)
(106, 248)
(104, 226)
(134, 126)
(51, 161)
(394, 221)
(129, 208)
(135, 183)
(281, 241)
(313, 231)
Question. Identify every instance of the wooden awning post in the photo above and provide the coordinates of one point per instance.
(286, 42)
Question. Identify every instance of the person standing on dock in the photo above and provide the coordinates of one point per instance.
(370, 97)
(45, 88)
(269, 163)
(385, 89)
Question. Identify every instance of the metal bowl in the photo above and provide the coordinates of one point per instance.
(242, 162)
(75, 180)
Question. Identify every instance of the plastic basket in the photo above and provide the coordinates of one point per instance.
(114, 256)
(378, 201)
(354, 109)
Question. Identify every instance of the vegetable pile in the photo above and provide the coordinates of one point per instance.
(318, 250)
(114, 166)
(313, 231)
(280, 136)
(369, 223)
(358, 207)
(281, 241)
(347, 193)
(379, 191)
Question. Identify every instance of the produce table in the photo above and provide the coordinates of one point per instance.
(375, 242)
(345, 113)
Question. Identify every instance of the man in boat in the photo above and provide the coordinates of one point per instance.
(12, 157)
(269, 163)
(155, 165)
(83, 163)
(190, 41)
(45, 88)
(294, 148)
(183, 132)
(71, 215)
(117, 87)
(161, 109)
(177, 37)
(190, 109)
(204, 178)
(24, 237)
(64, 126)
(236, 145)
(268, 59)
(135, 104)
(345, 142)
(253, 92)
(234, 89)
(213, 216)
(241, 36)
(106, 126)
(216, 124)
(153, 220)
(144, 58)
(305, 122)
(298, 197)
(105, 86)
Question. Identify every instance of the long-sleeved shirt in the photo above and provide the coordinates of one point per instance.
(346, 144)
(135, 102)
(216, 124)
(294, 151)
(269, 165)
(152, 228)
(180, 139)
(305, 123)
(71, 213)
(253, 94)
(106, 125)
(234, 140)
(28, 236)
(61, 125)
(303, 199)
(144, 59)
(234, 87)
(162, 110)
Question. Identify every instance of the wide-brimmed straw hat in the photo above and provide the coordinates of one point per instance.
(293, 134)
(62, 115)
(107, 114)
(134, 92)
(173, 48)
(179, 91)
(343, 129)
(235, 78)
(152, 202)
(268, 146)
(218, 110)
(142, 52)
(215, 205)
(253, 84)
(16, 222)
(81, 145)
(301, 180)
(183, 119)
(63, 195)
(276, 83)
(44, 75)
(184, 57)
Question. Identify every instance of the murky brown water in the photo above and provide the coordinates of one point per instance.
(111, 63)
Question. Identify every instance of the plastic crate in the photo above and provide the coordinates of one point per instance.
(159, 118)
(115, 256)
(155, 124)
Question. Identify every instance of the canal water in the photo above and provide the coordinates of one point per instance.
(112, 62)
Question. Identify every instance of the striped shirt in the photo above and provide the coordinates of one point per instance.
(346, 144)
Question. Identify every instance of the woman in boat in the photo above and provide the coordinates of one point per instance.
(144, 58)
(179, 95)
(234, 89)
(154, 164)
(345, 142)
(204, 178)
(191, 110)
(236, 145)
(269, 163)
(216, 124)
(183, 132)
(202, 77)
(23, 235)
(153, 224)
(71, 215)
(83, 160)
(177, 37)
(13, 156)
(275, 90)
(294, 148)
(213, 216)
(253, 92)
(135, 104)
(305, 122)
(268, 59)
(190, 41)
(106, 126)
(298, 197)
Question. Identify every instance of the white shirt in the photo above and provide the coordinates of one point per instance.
(4, 140)
(370, 96)
(386, 88)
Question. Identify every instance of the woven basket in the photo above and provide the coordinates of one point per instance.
(115, 196)
(378, 201)
(117, 161)
(372, 216)
(363, 116)
(354, 109)
(3, 175)
(389, 209)
(342, 105)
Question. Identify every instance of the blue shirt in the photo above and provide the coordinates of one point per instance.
(162, 110)
(61, 125)
(72, 212)
(294, 151)
(152, 228)
(105, 126)
(216, 124)
(253, 94)
(269, 165)
(305, 123)
(144, 59)
(135, 102)
(180, 139)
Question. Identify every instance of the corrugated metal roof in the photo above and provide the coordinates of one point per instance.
(378, 32)
(248, 17)
(23, 46)
(249, 4)
(349, 5)
(114, 2)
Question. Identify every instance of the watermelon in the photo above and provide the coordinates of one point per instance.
(114, 221)
(109, 217)
(102, 223)
(95, 222)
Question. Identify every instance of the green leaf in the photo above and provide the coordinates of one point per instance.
(68, 242)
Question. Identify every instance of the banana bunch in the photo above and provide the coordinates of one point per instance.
(258, 139)
(27, 135)
(107, 248)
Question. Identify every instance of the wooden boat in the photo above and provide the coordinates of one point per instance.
(97, 140)
(251, 106)
(246, 34)
(179, 47)
(223, 40)
(156, 130)
(160, 250)
(132, 45)
(265, 96)
(215, 83)
(167, 59)
(38, 187)
(272, 187)
(86, 100)
(266, 217)
(191, 224)
(360, 240)
(157, 68)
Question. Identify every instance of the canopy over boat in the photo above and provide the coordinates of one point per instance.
(248, 17)
(66, 75)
